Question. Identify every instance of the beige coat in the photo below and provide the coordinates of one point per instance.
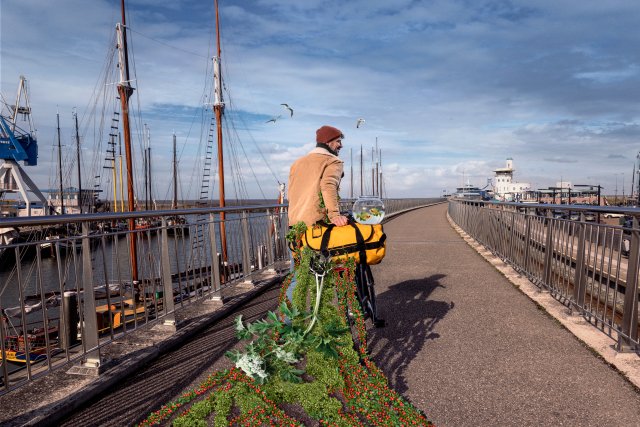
(318, 171)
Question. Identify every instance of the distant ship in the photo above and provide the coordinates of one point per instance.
(469, 191)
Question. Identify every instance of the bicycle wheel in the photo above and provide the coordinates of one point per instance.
(367, 295)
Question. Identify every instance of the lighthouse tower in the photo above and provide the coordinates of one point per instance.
(504, 187)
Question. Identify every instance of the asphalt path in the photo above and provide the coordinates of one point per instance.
(468, 348)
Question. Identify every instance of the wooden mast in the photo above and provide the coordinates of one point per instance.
(125, 90)
(218, 108)
(121, 182)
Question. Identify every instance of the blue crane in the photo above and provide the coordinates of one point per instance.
(17, 145)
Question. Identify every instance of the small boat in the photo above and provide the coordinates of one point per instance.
(146, 223)
(115, 290)
(33, 303)
(469, 191)
(69, 243)
(112, 227)
(117, 314)
(36, 340)
(177, 226)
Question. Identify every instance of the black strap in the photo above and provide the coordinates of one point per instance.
(360, 241)
(324, 243)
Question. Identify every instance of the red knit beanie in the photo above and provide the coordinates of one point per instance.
(326, 134)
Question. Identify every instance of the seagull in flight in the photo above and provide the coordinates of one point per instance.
(359, 122)
(273, 119)
(288, 108)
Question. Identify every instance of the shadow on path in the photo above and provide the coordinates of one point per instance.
(411, 317)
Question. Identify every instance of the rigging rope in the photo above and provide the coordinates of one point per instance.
(166, 44)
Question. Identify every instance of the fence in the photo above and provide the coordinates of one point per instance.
(584, 259)
(71, 284)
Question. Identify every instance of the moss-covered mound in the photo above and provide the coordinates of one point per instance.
(306, 364)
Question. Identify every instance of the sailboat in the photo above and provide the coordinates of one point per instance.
(176, 223)
(31, 346)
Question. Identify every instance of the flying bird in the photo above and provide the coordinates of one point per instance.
(288, 108)
(359, 122)
(273, 119)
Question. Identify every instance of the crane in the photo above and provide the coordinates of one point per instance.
(18, 145)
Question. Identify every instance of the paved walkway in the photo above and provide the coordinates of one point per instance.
(461, 342)
(470, 349)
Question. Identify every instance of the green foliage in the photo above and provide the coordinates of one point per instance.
(196, 415)
(303, 354)
(322, 207)
(222, 407)
(277, 345)
(295, 232)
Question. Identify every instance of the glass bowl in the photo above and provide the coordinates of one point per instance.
(368, 210)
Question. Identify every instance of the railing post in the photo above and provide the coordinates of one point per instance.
(272, 241)
(579, 280)
(512, 240)
(4, 373)
(246, 258)
(169, 307)
(90, 336)
(215, 261)
(627, 340)
(548, 252)
(527, 242)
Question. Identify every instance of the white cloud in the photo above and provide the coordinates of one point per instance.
(447, 87)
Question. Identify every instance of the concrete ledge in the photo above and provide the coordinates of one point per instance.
(627, 364)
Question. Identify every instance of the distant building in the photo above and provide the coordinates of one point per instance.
(505, 189)
(71, 200)
(566, 193)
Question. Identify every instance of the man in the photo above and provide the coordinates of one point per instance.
(317, 173)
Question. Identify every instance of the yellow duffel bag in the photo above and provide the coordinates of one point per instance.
(365, 243)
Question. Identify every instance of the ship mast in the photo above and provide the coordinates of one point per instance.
(218, 108)
(125, 90)
(75, 115)
(174, 204)
(60, 167)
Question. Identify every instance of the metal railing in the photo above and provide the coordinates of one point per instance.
(69, 284)
(587, 257)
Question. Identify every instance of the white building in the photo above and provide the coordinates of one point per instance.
(505, 189)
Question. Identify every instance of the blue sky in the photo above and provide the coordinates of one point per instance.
(449, 89)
